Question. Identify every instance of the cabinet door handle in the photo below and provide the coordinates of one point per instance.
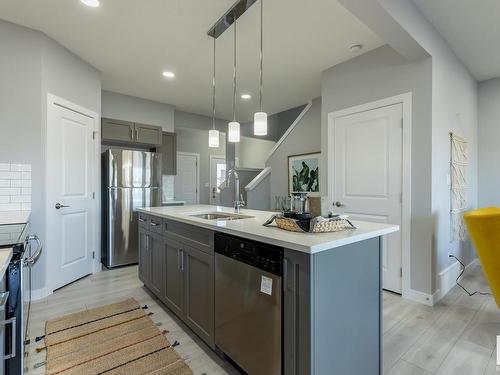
(136, 134)
(142, 220)
(131, 133)
(30, 261)
(153, 224)
(147, 241)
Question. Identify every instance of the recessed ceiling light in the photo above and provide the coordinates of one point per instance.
(246, 96)
(168, 74)
(356, 47)
(91, 3)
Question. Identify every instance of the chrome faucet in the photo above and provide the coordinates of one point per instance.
(238, 198)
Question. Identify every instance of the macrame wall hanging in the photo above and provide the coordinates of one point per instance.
(458, 188)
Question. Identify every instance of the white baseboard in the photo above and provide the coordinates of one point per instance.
(447, 277)
(38, 294)
(420, 297)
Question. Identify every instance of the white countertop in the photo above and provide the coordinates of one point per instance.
(253, 229)
(14, 217)
(5, 257)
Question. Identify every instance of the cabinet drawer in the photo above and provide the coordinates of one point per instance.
(143, 220)
(200, 238)
(155, 224)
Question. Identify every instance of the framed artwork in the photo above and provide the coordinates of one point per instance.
(303, 174)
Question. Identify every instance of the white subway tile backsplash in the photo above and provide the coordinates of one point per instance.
(10, 175)
(20, 199)
(10, 191)
(15, 187)
(25, 175)
(20, 167)
(10, 206)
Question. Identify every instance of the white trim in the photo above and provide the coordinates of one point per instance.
(258, 179)
(406, 101)
(38, 294)
(55, 100)
(210, 175)
(447, 277)
(289, 130)
(420, 297)
(198, 187)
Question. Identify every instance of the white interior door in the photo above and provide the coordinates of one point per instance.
(367, 183)
(217, 177)
(186, 180)
(71, 215)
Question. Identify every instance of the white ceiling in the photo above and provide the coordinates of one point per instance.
(131, 42)
(471, 28)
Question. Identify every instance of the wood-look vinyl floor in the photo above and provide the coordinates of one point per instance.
(456, 336)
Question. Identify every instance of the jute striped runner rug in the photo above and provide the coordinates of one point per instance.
(119, 338)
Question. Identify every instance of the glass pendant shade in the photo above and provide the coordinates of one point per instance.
(260, 123)
(213, 138)
(233, 134)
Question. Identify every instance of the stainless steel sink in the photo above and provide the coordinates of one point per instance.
(222, 216)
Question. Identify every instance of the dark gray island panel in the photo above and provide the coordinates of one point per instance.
(347, 309)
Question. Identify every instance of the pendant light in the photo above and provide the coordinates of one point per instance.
(233, 134)
(260, 118)
(213, 134)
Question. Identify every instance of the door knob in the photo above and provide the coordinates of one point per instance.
(59, 206)
(339, 204)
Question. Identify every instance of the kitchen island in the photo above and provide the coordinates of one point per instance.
(331, 286)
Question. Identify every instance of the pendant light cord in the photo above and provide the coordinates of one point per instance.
(234, 74)
(213, 93)
(261, 51)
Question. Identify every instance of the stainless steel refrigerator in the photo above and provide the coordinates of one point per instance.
(130, 180)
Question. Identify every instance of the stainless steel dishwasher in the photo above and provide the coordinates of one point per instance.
(248, 303)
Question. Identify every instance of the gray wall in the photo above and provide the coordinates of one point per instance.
(31, 66)
(489, 139)
(130, 108)
(454, 109)
(376, 75)
(304, 138)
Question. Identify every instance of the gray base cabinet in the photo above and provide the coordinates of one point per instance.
(174, 277)
(144, 257)
(332, 300)
(199, 292)
(179, 270)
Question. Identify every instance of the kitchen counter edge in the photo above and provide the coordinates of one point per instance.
(184, 217)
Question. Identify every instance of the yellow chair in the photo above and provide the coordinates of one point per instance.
(484, 228)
